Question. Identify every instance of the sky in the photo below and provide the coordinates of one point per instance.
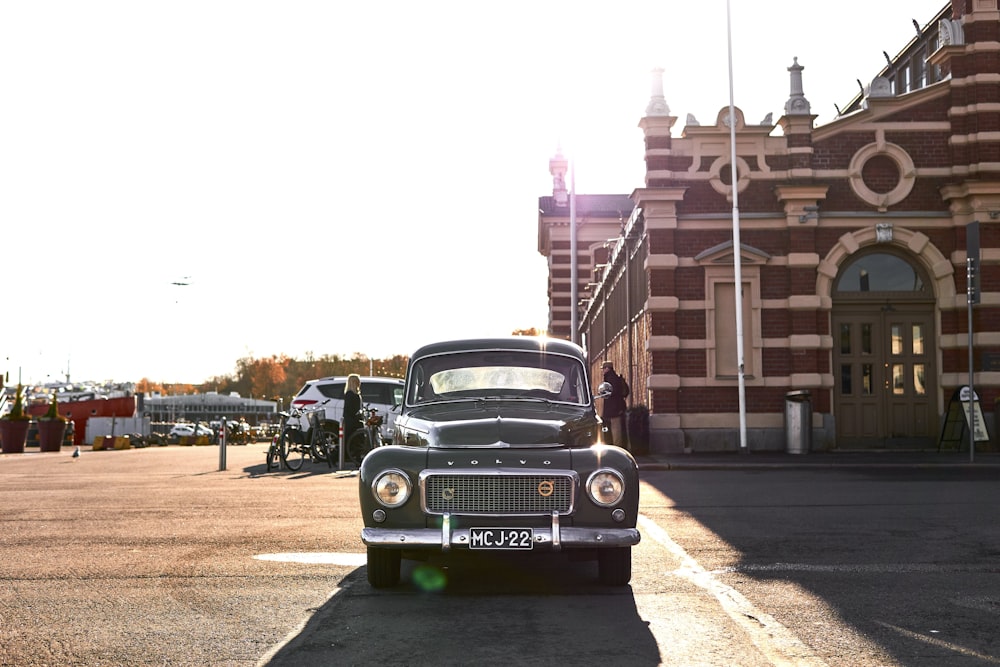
(344, 178)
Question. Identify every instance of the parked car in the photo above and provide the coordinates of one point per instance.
(379, 393)
(497, 447)
(188, 430)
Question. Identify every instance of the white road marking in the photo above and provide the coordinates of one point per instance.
(862, 568)
(934, 641)
(774, 640)
(317, 558)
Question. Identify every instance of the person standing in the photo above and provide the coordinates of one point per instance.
(352, 406)
(613, 408)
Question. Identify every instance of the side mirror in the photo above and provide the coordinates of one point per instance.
(604, 390)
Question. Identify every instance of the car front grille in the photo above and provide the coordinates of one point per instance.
(498, 494)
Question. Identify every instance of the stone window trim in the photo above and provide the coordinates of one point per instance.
(717, 263)
(715, 175)
(907, 173)
(914, 244)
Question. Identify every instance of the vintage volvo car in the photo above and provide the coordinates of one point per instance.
(497, 447)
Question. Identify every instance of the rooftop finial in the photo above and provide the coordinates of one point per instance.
(558, 165)
(657, 103)
(797, 103)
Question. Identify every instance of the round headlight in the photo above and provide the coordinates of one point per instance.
(391, 488)
(606, 487)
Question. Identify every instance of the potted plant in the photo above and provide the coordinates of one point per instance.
(51, 428)
(14, 426)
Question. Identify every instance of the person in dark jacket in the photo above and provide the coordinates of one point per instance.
(352, 405)
(613, 408)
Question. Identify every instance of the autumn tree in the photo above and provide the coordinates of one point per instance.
(147, 386)
(261, 377)
(281, 376)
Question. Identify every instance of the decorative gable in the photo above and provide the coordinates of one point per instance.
(723, 254)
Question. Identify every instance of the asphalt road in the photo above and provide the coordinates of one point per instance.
(152, 556)
(156, 557)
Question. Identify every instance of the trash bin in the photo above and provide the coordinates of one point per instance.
(638, 430)
(798, 422)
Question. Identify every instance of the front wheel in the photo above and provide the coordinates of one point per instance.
(293, 454)
(318, 447)
(273, 457)
(614, 566)
(324, 450)
(383, 567)
(331, 452)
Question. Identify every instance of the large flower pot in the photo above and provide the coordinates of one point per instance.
(50, 435)
(13, 435)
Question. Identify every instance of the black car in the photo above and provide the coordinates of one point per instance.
(497, 447)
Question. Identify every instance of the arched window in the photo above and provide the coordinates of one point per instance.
(880, 272)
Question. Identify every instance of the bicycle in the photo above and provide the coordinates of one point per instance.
(324, 436)
(274, 451)
(290, 446)
(366, 438)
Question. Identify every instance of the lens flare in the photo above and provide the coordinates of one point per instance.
(429, 578)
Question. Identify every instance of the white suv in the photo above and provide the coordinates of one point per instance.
(380, 393)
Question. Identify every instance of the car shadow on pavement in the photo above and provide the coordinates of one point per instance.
(477, 609)
(889, 551)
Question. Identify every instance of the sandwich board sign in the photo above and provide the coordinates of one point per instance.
(974, 417)
(959, 420)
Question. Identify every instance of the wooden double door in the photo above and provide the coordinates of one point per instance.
(885, 376)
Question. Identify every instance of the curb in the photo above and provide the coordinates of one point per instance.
(797, 462)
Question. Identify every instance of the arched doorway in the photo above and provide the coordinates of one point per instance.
(884, 352)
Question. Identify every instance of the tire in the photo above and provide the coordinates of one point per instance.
(319, 449)
(614, 566)
(293, 454)
(273, 458)
(323, 451)
(383, 567)
(329, 451)
(357, 447)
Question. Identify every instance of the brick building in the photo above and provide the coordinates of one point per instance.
(852, 256)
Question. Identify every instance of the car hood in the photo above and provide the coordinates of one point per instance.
(500, 424)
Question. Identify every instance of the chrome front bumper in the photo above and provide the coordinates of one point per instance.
(551, 538)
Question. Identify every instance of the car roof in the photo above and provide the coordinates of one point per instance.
(364, 378)
(530, 343)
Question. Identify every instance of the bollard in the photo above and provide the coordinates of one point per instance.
(222, 446)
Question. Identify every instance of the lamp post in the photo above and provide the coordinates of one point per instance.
(574, 322)
(737, 244)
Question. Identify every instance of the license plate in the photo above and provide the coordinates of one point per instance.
(501, 538)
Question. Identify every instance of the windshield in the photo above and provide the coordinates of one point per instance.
(498, 374)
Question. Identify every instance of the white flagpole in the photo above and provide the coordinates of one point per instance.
(574, 279)
(737, 268)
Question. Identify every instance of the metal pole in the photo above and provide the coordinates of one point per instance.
(340, 455)
(222, 443)
(969, 269)
(737, 245)
(628, 309)
(574, 288)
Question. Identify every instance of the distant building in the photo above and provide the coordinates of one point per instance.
(853, 246)
(208, 407)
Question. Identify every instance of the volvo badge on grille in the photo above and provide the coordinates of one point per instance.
(546, 488)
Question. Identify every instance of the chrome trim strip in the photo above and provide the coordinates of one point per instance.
(556, 533)
(545, 539)
(445, 531)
